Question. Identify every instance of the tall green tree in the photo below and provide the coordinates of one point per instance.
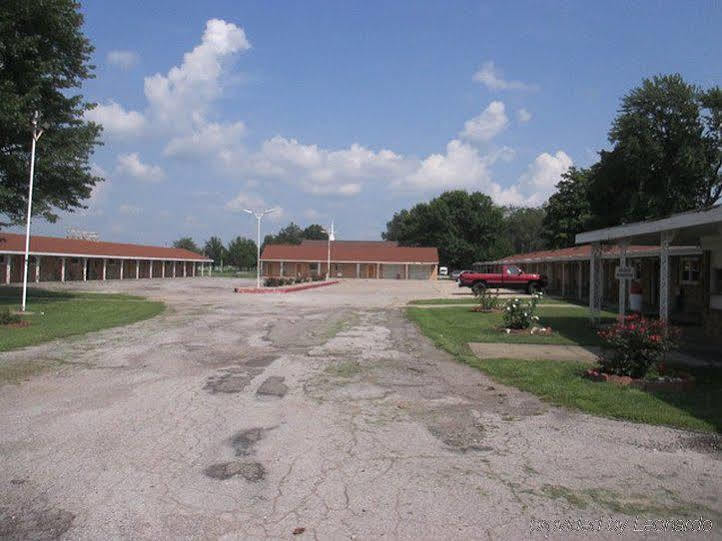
(465, 227)
(568, 211)
(666, 155)
(215, 250)
(44, 59)
(187, 243)
(242, 253)
(315, 232)
(523, 227)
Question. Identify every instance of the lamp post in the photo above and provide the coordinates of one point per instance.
(331, 237)
(259, 215)
(37, 132)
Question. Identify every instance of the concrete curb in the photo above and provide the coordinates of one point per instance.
(291, 289)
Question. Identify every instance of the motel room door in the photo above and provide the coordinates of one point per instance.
(371, 270)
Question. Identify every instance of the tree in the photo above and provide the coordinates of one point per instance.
(187, 243)
(568, 211)
(666, 155)
(43, 57)
(464, 227)
(215, 250)
(242, 253)
(523, 228)
(315, 232)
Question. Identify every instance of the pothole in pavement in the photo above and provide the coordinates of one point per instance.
(273, 386)
(260, 362)
(231, 380)
(250, 471)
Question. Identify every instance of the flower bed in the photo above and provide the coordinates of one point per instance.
(659, 383)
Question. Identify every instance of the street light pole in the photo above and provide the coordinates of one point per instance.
(259, 215)
(331, 237)
(36, 135)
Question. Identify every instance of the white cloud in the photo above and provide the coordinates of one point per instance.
(486, 125)
(123, 59)
(116, 121)
(523, 115)
(317, 170)
(131, 165)
(181, 97)
(129, 210)
(542, 175)
(493, 79)
(206, 139)
(461, 167)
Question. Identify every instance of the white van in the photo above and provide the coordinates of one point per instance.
(443, 271)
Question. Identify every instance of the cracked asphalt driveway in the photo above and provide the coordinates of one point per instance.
(322, 414)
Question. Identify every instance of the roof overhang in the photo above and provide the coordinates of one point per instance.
(690, 226)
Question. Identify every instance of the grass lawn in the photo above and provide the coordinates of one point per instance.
(560, 382)
(233, 274)
(472, 300)
(460, 325)
(58, 314)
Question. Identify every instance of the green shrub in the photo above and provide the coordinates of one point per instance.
(635, 345)
(6, 318)
(520, 314)
(488, 300)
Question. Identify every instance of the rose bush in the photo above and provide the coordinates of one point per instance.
(521, 314)
(633, 346)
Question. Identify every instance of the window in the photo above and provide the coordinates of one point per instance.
(690, 270)
(313, 267)
(513, 270)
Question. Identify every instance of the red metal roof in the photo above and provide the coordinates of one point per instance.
(351, 251)
(577, 252)
(12, 242)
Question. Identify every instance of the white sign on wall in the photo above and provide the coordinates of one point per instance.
(624, 273)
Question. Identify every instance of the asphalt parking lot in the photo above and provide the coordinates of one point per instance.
(323, 413)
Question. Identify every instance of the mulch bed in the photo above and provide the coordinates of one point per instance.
(18, 325)
(683, 383)
(485, 310)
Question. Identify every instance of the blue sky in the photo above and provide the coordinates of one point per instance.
(354, 110)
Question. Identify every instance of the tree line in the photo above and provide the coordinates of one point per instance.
(665, 157)
(241, 252)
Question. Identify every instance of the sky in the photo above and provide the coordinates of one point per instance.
(351, 111)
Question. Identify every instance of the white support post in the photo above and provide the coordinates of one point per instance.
(122, 265)
(193, 271)
(85, 269)
(406, 271)
(594, 281)
(174, 266)
(664, 275)
(358, 270)
(184, 269)
(105, 268)
(378, 270)
(162, 269)
(137, 269)
(37, 268)
(62, 269)
(579, 279)
(328, 270)
(623, 283)
(8, 259)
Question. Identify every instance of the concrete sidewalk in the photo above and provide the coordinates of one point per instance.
(560, 352)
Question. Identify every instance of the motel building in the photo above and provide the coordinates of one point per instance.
(54, 259)
(350, 259)
(676, 264)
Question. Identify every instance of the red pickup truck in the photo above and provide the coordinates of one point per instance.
(510, 277)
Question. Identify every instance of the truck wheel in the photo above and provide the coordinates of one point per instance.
(478, 288)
